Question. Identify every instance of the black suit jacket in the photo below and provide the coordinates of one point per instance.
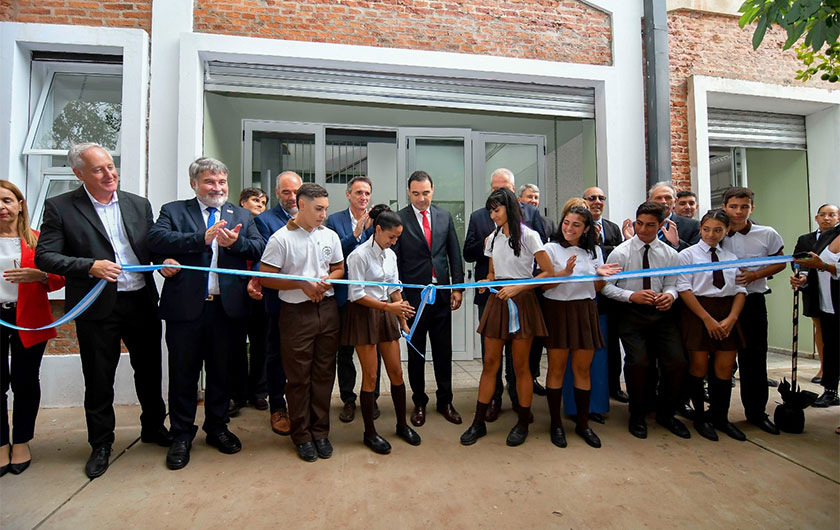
(414, 259)
(811, 291)
(479, 228)
(73, 237)
(179, 234)
(612, 237)
(689, 231)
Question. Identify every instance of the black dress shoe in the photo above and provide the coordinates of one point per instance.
(816, 380)
(597, 417)
(418, 415)
(493, 409)
(772, 383)
(731, 430)
(260, 403)
(620, 396)
(307, 452)
(376, 411)
(20, 467)
(516, 436)
(408, 434)
(4, 469)
(638, 427)
(558, 437)
(538, 388)
(828, 398)
(234, 407)
(225, 441)
(706, 430)
(449, 412)
(764, 424)
(324, 448)
(589, 437)
(473, 433)
(378, 444)
(97, 464)
(160, 436)
(348, 412)
(706, 397)
(675, 426)
(179, 454)
(686, 411)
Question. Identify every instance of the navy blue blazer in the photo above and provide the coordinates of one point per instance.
(341, 224)
(479, 228)
(179, 234)
(267, 223)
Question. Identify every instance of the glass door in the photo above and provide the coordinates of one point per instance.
(524, 154)
(446, 155)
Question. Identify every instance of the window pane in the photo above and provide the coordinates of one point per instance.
(81, 108)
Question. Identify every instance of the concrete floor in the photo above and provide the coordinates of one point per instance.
(788, 481)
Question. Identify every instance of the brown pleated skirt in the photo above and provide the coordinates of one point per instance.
(366, 325)
(572, 324)
(494, 320)
(694, 333)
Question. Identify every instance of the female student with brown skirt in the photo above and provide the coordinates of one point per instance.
(512, 248)
(709, 324)
(375, 315)
(571, 316)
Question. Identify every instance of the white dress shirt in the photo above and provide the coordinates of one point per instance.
(111, 218)
(628, 255)
(825, 277)
(584, 266)
(213, 279)
(506, 266)
(754, 241)
(419, 216)
(9, 259)
(700, 283)
(371, 263)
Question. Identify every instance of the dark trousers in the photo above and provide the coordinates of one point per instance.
(310, 339)
(275, 375)
(436, 321)
(209, 339)
(752, 359)
(507, 366)
(346, 370)
(23, 377)
(650, 336)
(605, 306)
(247, 365)
(831, 350)
(135, 321)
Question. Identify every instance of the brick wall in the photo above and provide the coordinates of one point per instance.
(116, 14)
(564, 31)
(714, 45)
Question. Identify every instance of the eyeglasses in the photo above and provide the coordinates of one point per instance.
(593, 198)
(827, 214)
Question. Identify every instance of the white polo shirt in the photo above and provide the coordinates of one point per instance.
(584, 266)
(295, 251)
(754, 241)
(505, 264)
(702, 283)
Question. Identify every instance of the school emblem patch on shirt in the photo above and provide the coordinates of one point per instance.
(327, 252)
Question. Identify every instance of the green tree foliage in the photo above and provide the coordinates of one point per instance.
(817, 20)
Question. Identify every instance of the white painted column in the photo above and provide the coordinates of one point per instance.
(823, 135)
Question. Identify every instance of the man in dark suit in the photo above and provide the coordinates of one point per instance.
(480, 226)
(679, 232)
(608, 237)
(428, 252)
(353, 228)
(204, 312)
(828, 215)
(530, 194)
(268, 222)
(86, 235)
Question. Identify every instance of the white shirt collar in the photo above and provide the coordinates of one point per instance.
(114, 198)
(704, 246)
(417, 212)
(205, 207)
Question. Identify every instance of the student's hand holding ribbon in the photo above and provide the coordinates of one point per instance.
(168, 272)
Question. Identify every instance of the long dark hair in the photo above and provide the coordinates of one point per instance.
(381, 215)
(717, 215)
(505, 197)
(587, 239)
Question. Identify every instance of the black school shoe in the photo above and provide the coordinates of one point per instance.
(472, 434)
(408, 434)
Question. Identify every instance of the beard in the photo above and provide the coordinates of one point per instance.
(293, 209)
(216, 200)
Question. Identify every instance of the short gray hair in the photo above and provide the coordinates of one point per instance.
(205, 163)
(284, 174)
(74, 154)
(504, 172)
(360, 178)
(662, 184)
(525, 187)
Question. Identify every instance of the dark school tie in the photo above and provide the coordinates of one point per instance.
(646, 265)
(717, 276)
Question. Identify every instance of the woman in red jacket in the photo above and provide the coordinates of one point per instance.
(23, 301)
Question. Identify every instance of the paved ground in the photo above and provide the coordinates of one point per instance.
(788, 481)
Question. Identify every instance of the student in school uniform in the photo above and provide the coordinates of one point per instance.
(512, 248)
(712, 302)
(647, 324)
(310, 323)
(374, 317)
(746, 239)
(571, 316)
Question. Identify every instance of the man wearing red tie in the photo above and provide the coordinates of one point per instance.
(428, 252)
